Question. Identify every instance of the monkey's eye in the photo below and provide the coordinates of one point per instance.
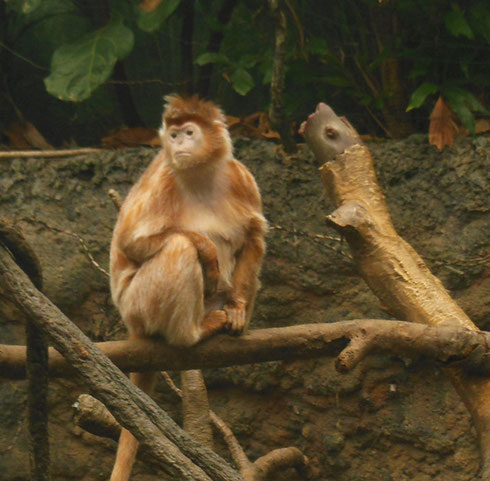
(173, 135)
(189, 132)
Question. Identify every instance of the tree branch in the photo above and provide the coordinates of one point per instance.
(456, 345)
(388, 264)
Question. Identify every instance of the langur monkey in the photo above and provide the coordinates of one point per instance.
(188, 244)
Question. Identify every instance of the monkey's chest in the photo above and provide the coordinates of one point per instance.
(225, 232)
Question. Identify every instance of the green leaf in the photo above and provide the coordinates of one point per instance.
(337, 81)
(317, 46)
(462, 95)
(268, 71)
(248, 61)
(463, 103)
(418, 97)
(464, 114)
(152, 21)
(480, 19)
(242, 81)
(211, 57)
(78, 68)
(457, 25)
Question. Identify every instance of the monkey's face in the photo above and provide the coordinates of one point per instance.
(185, 144)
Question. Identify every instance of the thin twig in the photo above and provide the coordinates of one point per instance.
(72, 234)
(13, 154)
(237, 453)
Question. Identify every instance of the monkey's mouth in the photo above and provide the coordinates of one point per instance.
(182, 155)
(183, 160)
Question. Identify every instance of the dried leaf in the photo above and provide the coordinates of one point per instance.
(442, 128)
(133, 137)
(255, 125)
(149, 5)
(24, 136)
(482, 126)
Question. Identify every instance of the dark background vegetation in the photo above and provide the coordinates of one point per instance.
(111, 63)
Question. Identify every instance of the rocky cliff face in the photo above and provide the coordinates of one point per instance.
(386, 420)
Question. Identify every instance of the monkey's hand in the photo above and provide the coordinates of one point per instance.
(236, 319)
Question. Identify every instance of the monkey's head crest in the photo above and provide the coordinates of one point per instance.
(180, 109)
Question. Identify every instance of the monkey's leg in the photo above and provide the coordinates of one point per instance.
(128, 444)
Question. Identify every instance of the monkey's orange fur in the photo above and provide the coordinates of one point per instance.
(189, 242)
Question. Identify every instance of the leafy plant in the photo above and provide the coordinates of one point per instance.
(472, 28)
(79, 67)
(237, 72)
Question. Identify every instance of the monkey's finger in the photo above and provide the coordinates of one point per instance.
(235, 322)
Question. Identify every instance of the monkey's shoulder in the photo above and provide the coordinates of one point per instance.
(243, 185)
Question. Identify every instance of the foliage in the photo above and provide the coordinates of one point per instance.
(383, 64)
(450, 72)
(79, 67)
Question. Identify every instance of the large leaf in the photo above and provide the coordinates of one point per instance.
(464, 103)
(78, 68)
(457, 25)
(242, 81)
(211, 57)
(417, 99)
(441, 128)
(480, 19)
(154, 20)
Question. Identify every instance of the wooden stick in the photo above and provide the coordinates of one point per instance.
(447, 344)
(17, 154)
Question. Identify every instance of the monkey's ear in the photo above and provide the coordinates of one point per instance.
(161, 132)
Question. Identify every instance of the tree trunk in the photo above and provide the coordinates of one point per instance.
(390, 266)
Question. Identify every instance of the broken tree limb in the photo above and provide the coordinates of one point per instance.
(448, 344)
(388, 264)
(180, 455)
(261, 468)
(93, 416)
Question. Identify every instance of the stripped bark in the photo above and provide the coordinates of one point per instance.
(390, 266)
(195, 407)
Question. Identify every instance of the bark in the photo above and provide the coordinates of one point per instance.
(181, 455)
(36, 358)
(37, 403)
(195, 407)
(277, 114)
(463, 347)
(391, 268)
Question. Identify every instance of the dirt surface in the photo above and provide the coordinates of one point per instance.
(387, 420)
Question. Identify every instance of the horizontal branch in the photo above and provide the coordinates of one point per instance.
(352, 339)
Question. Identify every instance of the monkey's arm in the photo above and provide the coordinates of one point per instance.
(143, 248)
(245, 277)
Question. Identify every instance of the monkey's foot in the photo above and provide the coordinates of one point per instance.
(213, 322)
(235, 317)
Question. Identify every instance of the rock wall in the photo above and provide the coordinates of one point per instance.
(387, 420)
